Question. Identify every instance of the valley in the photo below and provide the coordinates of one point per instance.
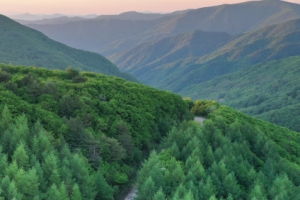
(196, 104)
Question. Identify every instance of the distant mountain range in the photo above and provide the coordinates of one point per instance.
(20, 45)
(255, 72)
(158, 63)
(109, 36)
(34, 17)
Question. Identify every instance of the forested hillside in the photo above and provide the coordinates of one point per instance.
(71, 135)
(268, 91)
(232, 156)
(104, 35)
(149, 55)
(269, 43)
(21, 45)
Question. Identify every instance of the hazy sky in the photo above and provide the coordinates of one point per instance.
(104, 6)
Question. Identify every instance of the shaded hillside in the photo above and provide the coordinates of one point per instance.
(85, 132)
(100, 34)
(232, 156)
(22, 45)
(95, 35)
(268, 43)
(269, 91)
(265, 44)
(169, 49)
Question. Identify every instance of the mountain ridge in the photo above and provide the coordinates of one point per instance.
(21, 45)
(224, 18)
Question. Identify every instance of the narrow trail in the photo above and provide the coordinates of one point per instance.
(132, 194)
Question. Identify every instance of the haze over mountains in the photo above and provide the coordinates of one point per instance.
(108, 36)
(21, 45)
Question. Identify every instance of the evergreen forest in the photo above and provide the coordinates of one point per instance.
(71, 135)
(232, 156)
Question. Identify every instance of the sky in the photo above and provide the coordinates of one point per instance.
(101, 7)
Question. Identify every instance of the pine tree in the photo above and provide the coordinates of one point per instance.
(207, 189)
(257, 193)
(282, 188)
(180, 192)
(63, 192)
(159, 195)
(6, 119)
(53, 193)
(21, 157)
(76, 195)
(104, 191)
(4, 185)
(3, 162)
(12, 170)
(12, 192)
(231, 186)
(147, 190)
(51, 171)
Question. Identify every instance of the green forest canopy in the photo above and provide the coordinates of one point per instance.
(97, 128)
(232, 156)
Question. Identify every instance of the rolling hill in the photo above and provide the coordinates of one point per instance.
(269, 91)
(119, 34)
(269, 43)
(169, 49)
(20, 45)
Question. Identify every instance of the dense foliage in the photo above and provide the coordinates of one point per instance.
(36, 166)
(107, 122)
(21, 45)
(268, 91)
(232, 156)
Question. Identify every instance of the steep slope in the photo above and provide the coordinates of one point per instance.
(266, 44)
(22, 45)
(99, 34)
(232, 156)
(269, 91)
(96, 35)
(169, 49)
(56, 133)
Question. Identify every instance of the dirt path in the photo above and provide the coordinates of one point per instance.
(132, 194)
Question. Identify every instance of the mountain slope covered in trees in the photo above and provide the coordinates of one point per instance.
(70, 134)
(268, 90)
(109, 36)
(170, 49)
(232, 156)
(266, 44)
(21, 45)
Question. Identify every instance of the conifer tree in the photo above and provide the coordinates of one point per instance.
(76, 195)
(104, 191)
(6, 119)
(159, 195)
(12, 192)
(146, 190)
(21, 157)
